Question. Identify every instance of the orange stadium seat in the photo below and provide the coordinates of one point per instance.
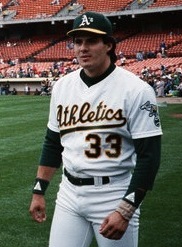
(38, 8)
(104, 6)
(163, 3)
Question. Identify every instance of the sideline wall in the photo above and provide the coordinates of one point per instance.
(19, 83)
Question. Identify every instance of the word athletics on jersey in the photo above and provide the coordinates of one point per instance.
(74, 115)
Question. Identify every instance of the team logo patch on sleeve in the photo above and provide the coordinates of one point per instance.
(152, 109)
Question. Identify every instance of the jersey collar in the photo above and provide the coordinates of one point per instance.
(90, 81)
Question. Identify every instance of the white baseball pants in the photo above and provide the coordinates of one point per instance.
(80, 210)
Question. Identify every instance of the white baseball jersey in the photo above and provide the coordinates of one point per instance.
(97, 123)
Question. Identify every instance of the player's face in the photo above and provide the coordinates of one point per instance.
(91, 53)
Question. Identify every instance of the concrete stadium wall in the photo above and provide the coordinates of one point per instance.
(19, 83)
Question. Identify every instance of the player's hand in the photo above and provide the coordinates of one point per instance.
(114, 226)
(37, 208)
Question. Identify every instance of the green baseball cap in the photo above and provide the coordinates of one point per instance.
(91, 22)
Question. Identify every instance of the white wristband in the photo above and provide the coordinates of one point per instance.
(126, 210)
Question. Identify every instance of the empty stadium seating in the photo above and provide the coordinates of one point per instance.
(23, 49)
(40, 9)
(105, 6)
(43, 51)
(165, 3)
(148, 42)
(36, 8)
(154, 64)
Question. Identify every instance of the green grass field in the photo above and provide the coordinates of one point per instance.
(22, 127)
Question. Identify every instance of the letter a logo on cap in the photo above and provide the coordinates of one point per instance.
(91, 22)
(85, 21)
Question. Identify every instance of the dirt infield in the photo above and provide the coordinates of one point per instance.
(169, 100)
(177, 116)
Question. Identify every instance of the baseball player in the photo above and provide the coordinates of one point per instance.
(104, 129)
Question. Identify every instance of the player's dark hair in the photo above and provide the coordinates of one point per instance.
(111, 53)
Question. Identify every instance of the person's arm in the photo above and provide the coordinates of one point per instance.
(148, 152)
(38, 206)
(51, 159)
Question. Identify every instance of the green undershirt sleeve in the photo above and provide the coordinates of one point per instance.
(52, 150)
(148, 152)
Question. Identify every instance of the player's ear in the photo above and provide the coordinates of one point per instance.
(111, 42)
(110, 46)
